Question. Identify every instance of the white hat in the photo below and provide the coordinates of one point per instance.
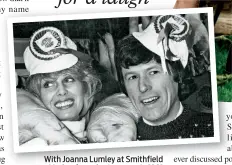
(50, 51)
(166, 33)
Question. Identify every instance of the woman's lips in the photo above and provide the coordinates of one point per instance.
(64, 104)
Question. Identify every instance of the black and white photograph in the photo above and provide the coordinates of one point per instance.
(107, 80)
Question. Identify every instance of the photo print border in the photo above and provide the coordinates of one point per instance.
(19, 149)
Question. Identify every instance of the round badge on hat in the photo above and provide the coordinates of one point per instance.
(180, 26)
(50, 51)
(45, 40)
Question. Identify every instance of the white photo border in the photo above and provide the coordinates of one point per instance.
(21, 149)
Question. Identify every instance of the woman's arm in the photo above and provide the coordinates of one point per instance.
(34, 121)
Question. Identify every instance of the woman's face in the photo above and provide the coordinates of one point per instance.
(64, 95)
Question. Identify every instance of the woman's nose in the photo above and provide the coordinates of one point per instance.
(144, 84)
(62, 90)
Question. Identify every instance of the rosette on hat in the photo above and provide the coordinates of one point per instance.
(166, 38)
(50, 51)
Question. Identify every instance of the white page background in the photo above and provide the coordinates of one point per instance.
(43, 8)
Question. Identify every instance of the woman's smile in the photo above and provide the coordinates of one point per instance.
(64, 104)
(64, 95)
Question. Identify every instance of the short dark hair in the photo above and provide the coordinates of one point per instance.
(131, 52)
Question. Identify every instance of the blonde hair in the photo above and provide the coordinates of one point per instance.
(83, 72)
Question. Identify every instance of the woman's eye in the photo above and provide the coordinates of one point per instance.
(69, 79)
(132, 77)
(154, 72)
(48, 84)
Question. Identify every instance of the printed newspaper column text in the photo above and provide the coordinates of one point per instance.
(229, 131)
(13, 6)
(2, 159)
